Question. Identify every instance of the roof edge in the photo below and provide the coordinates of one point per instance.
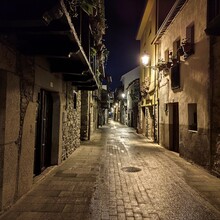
(144, 19)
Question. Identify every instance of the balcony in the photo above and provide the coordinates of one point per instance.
(54, 30)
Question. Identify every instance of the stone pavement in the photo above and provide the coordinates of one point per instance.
(119, 176)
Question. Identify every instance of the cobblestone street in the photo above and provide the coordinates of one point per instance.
(119, 176)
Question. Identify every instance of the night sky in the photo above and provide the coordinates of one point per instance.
(122, 18)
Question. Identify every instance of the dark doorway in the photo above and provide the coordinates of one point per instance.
(43, 132)
(144, 121)
(174, 127)
(135, 116)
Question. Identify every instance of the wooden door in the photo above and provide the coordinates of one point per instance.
(175, 127)
(44, 132)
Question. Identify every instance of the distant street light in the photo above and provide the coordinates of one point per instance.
(123, 95)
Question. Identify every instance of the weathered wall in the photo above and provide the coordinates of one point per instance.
(57, 140)
(89, 114)
(3, 85)
(194, 145)
(45, 79)
(10, 113)
(71, 123)
(148, 74)
(11, 137)
(25, 180)
(94, 108)
(26, 139)
(84, 133)
(215, 104)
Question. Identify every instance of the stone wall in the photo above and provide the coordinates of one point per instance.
(94, 115)
(215, 104)
(85, 115)
(71, 122)
(89, 114)
(3, 84)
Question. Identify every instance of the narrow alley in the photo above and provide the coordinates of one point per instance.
(119, 176)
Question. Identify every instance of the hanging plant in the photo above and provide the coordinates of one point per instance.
(93, 51)
(186, 49)
(161, 65)
(144, 88)
(180, 51)
(169, 64)
(72, 6)
(87, 6)
(174, 61)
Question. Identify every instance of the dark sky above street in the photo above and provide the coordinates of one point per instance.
(123, 19)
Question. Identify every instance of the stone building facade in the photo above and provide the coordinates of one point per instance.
(184, 100)
(148, 106)
(26, 83)
(186, 47)
(46, 70)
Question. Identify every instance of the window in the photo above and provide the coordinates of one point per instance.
(166, 56)
(176, 45)
(189, 49)
(175, 76)
(190, 33)
(192, 116)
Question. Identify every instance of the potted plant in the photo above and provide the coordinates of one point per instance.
(186, 48)
(169, 64)
(174, 60)
(144, 88)
(161, 65)
(180, 51)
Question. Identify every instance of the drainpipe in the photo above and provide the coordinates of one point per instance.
(89, 128)
(155, 104)
(156, 137)
(158, 125)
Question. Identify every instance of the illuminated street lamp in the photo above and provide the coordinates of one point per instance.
(145, 59)
(123, 95)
